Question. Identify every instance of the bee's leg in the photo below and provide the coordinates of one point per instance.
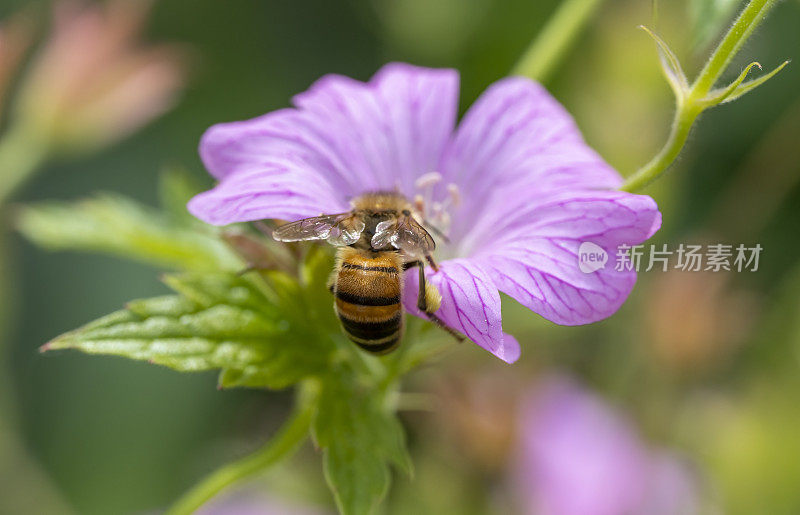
(431, 262)
(422, 305)
(422, 297)
(409, 264)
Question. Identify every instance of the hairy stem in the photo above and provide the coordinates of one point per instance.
(681, 126)
(281, 446)
(693, 101)
(742, 28)
(554, 40)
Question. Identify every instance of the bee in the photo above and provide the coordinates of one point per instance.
(378, 240)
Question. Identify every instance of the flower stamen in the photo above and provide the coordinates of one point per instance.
(455, 194)
(434, 213)
(428, 180)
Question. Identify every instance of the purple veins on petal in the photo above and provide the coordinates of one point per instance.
(535, 258)
(517, 135)
(470, 305)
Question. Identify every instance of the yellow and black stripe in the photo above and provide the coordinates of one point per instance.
(367, 291)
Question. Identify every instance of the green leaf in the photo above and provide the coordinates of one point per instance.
(360, 436)
(719, 96)
(669, 65)
(317, 267)
(123, 227)
(218, 321)
(307, 302)
(746, 87)
(210, 289)
(314, 274)
(176, 187)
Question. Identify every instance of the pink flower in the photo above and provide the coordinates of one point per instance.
(92, 83)
(514, 187)
(578, 456)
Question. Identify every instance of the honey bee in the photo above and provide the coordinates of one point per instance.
(378, 240)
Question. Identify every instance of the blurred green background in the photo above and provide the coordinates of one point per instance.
(115, 436)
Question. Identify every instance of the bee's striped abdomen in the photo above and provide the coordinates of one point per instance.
(367, 291)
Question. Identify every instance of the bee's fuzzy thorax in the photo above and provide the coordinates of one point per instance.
(381, 201)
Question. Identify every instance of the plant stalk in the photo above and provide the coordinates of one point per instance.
(679, 133)
(281, 446)
(693, 102)
(737, 35)
(555, 39)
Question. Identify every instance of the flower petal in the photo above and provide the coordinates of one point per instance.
(470, 305)
(534, 257)
(672, 486)
(344, 138)
(578, 456)
(515, 135)
(516, 129)
(281, 188)
(389, 131)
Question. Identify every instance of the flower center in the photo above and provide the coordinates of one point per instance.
(435, 213)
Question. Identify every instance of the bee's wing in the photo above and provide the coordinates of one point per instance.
(347, 231)
(404, 234)
(341, 229)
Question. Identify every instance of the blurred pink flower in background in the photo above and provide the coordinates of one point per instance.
(93, 83)
(578, 456)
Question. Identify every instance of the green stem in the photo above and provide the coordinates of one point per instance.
(745, 24)
(21, 153)
(681, 126)
(281, 446)
(555, 39)
(693, 101)
(22, 477)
